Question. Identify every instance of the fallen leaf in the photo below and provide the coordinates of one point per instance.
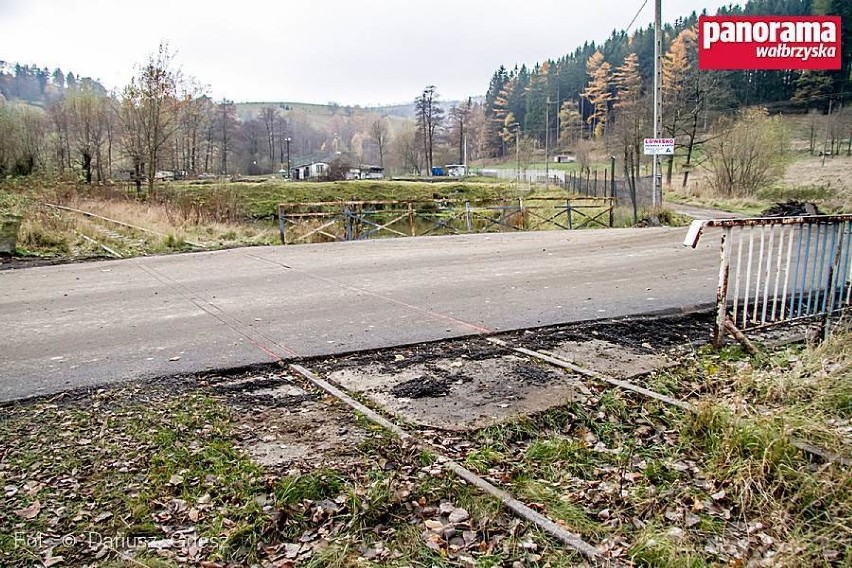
(30, 512)
(459, 516)
(691, 520)
(53, 561)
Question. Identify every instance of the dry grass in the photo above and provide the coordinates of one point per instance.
(805, 178)
(159, 217)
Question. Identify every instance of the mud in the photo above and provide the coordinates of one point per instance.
(401, 358)
(21, 262)
(642, 334)
(422, 387)
(266, 390)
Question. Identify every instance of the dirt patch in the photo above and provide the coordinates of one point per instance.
(642, 335)
(19, 262)
(461, 393)
(314, 434)
(264, 390)
(610, 359)
(397, 359)
(283, 426)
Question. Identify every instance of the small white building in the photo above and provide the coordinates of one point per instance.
(312, 171)
(456, 170)
(365, 172)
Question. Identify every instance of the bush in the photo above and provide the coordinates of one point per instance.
(748, 153)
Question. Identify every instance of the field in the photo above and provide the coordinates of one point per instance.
(805, 179)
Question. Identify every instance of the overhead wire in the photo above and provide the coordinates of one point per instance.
(633, 21)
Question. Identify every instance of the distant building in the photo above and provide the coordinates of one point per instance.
(164, 175)
(312, 171)
(365, 172)
(564, 159)
(372, 172)
(456, 170)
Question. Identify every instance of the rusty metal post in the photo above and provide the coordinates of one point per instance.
(722, 291)
(411, 220)
(468, 221)
(347, 223)
(831, 289)
(568, 212)
(612, 180)
(282, 227)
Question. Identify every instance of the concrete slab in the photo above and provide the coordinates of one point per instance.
(461, 394)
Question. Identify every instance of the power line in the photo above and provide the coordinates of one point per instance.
(633, 21)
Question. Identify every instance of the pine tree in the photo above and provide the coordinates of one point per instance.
(503, 119)
(536, 99)
(598, 92)
(570, 123)
(495, 103)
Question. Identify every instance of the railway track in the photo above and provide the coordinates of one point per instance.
(459, 449)
(123, 237)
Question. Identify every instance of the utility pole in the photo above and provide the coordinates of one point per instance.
(518, 152)
(517, 126)
(464, 160)
(287, 140)
(547, 144)
(827, 122)
(656, 186)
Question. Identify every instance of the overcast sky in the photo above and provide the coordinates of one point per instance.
(348, 51)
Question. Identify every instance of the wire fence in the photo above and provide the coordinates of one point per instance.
(589, 183)
(361, 220)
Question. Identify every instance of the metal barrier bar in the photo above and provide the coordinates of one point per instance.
(800, 269)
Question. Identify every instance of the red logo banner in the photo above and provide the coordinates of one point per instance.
(769, 42)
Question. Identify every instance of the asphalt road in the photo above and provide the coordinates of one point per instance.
(94, 323)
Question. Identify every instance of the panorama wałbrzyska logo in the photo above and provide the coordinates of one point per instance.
(769, 42)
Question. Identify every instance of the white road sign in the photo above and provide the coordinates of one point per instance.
(654, 146)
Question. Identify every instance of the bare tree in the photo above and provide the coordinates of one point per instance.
(632, 117)
(269, 116)
(408, 148)
(459, 116)
(227, 116)
(430, 118)
(88, 112)
(132, 133)
(379, 134)
(195, 114)
(151, 109)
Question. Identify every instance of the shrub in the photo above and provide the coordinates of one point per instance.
(748, 153)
